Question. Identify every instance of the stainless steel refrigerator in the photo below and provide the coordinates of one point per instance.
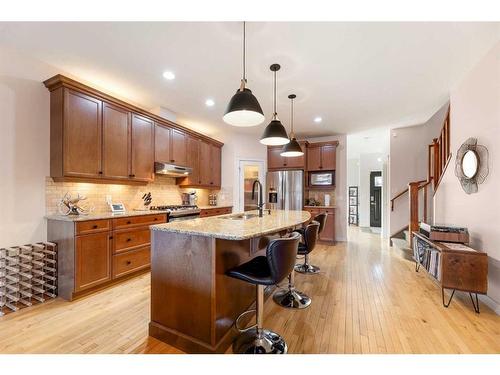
(289, 186)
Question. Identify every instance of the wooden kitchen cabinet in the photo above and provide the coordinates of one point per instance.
(215, 211)
(321, 156)
(80, 153)
(328, 234)
(94, 136)
(170, 145)
(92, 260)
(94, 254)
(116, 133)
(142, 165)
(277, 162)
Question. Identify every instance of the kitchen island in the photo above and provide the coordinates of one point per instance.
(193, 303)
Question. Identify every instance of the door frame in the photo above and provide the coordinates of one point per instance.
(240, 163)
(372, 187)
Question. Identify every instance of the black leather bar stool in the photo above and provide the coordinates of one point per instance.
(310, 238)
(291, 297)
(262, 271)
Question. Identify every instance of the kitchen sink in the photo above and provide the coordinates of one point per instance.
(240, 217)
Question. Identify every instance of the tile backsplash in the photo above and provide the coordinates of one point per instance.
(319, 196)
(163, 191)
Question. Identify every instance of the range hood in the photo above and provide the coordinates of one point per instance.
(172, 170)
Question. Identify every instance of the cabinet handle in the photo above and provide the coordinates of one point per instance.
(129, 222)
(110, 237)
(129, 262)
(94, 226)
(129, 239)
(172, 160)
(155, 219)
(131, 175)
(100, 172)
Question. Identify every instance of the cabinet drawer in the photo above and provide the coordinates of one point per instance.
(92, 226)
(215, 211)
(131, 261)
(134, 221)
(131, 239)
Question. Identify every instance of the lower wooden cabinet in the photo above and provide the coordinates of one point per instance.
(94, 253)
(92, 260)
(328, 234)
(215, 211)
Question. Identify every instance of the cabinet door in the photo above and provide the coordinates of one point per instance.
(328, 157)
(193, 160)
(179, 145)
(205, 167)
(274, 159)
(82, 135)
(215, 163)
(162, 143)
(142, 148)
(297, 161)
(328, 233)
(116, 141)
(314, 158)
(92, 260)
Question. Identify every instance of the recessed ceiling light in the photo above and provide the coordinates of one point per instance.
(168, 75)
(209, 103)
(318, 119)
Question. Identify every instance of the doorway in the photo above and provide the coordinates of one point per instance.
(376, 199)
(248, 172)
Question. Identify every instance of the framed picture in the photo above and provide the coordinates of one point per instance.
(353, 210)
(353, 191)
(353, 201)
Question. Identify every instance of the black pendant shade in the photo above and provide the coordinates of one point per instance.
(274, 133)
(244, 110)
(292, 149)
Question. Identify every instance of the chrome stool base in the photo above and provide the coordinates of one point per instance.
(306, 268)
(292, 299)
(268, 342)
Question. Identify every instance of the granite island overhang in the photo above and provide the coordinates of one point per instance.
(193, 303)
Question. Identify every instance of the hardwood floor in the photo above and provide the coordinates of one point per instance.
(368, 299)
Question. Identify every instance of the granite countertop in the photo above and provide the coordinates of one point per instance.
(103, 215)
(219, 227)
(319, 207)
(214, 207)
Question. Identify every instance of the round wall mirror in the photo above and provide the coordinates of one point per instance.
(470, 164)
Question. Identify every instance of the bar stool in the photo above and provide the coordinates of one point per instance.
(310, 239)
(292, 298)
(262, 271)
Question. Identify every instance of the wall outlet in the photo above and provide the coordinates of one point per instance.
(108, 199)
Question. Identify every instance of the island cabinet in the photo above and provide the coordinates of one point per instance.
(205, 159)
(328, 233)
(277, 162)
(321, 156)
(171, 146)
(96, 253)
(94, 136)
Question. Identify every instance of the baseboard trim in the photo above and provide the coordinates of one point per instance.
(492, 304)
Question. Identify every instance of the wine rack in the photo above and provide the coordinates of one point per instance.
(28, 275)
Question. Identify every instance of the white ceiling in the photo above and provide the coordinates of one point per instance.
(356, 76)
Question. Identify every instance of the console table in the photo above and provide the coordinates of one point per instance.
(453, 266)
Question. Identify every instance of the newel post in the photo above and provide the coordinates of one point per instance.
(413, 201)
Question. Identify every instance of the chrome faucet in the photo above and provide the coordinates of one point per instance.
(260, 202)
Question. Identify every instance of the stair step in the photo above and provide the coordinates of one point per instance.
(407, 235)
(401, 243)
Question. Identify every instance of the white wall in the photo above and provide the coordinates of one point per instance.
(24, 148)
(475, 112)
(340, 185)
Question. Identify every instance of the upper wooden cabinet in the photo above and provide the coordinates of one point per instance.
(79, 129)
(95, 136)
(116, 136)
(205, 159)
(277, 162)
(142, 165)
(321, 156)
(170, 145)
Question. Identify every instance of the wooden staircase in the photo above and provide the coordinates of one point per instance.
(420, 192)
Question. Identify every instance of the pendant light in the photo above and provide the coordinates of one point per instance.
(293, 148)
(243, 109)
(275, 132)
